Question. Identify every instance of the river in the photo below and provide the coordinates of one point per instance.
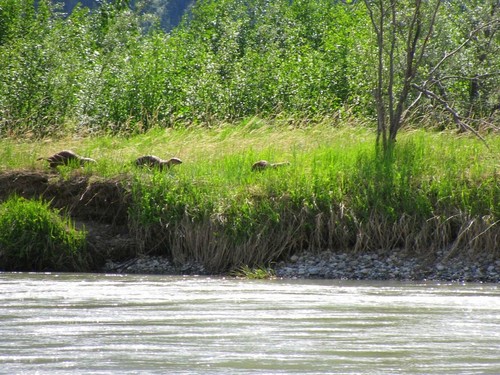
(131, 324)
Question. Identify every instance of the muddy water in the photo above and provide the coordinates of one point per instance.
(103, 324)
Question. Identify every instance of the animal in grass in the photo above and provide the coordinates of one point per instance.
(156, 162)
(264, 164)
(66, 157)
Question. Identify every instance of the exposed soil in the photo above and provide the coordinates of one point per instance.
(99, 206)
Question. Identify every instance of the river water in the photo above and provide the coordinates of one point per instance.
(131, 324)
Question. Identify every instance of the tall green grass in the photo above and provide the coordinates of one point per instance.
(35, 237)
(436, 191)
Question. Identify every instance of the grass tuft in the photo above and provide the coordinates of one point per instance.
(254, 273)
(34, 237)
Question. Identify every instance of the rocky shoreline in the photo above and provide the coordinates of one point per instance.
(331, 265)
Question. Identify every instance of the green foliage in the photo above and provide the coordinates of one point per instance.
(112, 70)
(39, 67)
(34, 237)
(271, 58)
(467, 79)
(452, 58)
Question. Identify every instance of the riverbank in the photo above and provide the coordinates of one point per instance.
(433, 204)
(115, 249)
(100, 208)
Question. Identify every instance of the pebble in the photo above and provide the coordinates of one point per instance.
(334, 265)
(153, 265)
(394, 266)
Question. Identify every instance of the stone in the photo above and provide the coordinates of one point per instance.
(336, 266)
(440, 267)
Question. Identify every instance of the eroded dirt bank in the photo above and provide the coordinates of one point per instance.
(100, 206)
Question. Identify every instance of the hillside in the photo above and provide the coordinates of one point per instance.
(169, 12)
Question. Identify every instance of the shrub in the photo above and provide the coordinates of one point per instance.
(34, 237)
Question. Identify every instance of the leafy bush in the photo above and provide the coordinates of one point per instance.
(34, 237)
(107, 70)
(113, 70)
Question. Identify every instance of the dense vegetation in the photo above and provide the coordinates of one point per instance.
(168, 12)
(238, 81)
(438, 191)
(115, 70)
(34, 237)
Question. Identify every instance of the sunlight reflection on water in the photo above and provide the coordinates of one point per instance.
(103, 324)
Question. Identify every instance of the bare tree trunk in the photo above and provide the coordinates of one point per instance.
(384, 16)
(379, 90)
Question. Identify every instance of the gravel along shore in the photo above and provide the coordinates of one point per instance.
(331, 265)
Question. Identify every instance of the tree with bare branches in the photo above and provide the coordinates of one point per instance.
(404, 30)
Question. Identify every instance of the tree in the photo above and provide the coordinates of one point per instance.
(405, 32)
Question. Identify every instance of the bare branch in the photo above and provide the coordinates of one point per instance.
(414, 35)
(428, 36)
(378, 25)
(372, 17)
(456, 117)
(478, 76)
(423, 87)
(390, 84)
(411, 106)
(447, 55)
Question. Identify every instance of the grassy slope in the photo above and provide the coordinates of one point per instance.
(441, 189)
